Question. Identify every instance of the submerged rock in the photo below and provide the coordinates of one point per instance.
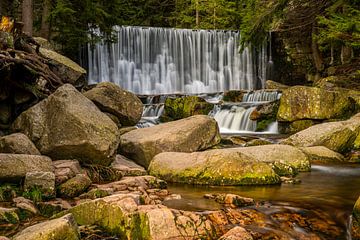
(213, 167)
(14, 167)
(183, 107)
(67, 125)
(187, 135)
(61, 228)
(302, 102)
(17, 143)
(112, 99)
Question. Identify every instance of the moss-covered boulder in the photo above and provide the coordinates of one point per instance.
(183, 107)
(320, 154)
(8, 216)
(186, 135)
(14, 167)
(17, 143)
(112, 99)
(57, 229)
(355, 230)
(213, 167)
(67, 125)
(336, 136)
(74, 186)
(269, 84)
(296, 126)
(302, 102)
(234, 96)
(69, 71)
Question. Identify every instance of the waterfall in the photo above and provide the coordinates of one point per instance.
(164, 60)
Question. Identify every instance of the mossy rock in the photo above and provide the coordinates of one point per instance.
(296, 126)
(183, 107)
(233, 96)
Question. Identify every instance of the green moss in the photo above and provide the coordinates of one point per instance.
(233, 96)
(11, 217)
(35, 194)
(263, 124)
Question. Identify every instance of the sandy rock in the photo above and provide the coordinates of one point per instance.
(237, 233)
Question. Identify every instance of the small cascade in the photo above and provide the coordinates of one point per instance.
(153, 109)
(261, 96)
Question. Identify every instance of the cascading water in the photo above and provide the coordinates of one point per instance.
(165, 60)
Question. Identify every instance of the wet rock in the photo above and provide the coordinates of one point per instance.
(336, 136)
(69, 71)
(61, 228)
(265, 111)
(74, 186)
(233, 200)
(44, 181)
(183, 107)
(237, 233)
(67, 125)
(353, 157)
(127, 167)
(186, 135)
(8, 216)
(302, 102)
(234, 96)
(320, 154)
(13, 167)
(355, 229)
(275, 85)
(26, 207)
(17, 143)
(290, 180)
(110, 98)
(213, 167)
(66, 169)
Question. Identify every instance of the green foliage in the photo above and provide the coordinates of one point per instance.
(8, 192)
(35, 194)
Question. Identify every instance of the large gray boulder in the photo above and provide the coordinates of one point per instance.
(17, 143)
(57, 229)
(16, 166)
(213, 167)
(110, 98)
(186, 135)
(67, 125)
(302, 102)
(336, 136)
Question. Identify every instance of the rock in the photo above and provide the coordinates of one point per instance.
(320, 154)
(26, 207)
(8, 215)
(237, 233)
(44, 43)
(127, 167)
(186, 135)
(285, 159)
(296, 126)
(213, 167)
(124, 130)
(183, 107)
(110, 98)
(353, 157)
(69, 71)
(17, 143)
(5, 113)
(336, 136)
(275, 85)
(44, 181)
(234, 200)
(301, 102)
(257, 142)
(67, 125)
(355, 230)
(234, 96)
(21, 96)
(265, 111)
(96, 193)
(61, 228)
(66, 169)
(74, 186)
(49, 209)
(4, 238)
(290, 180)
(13, 167)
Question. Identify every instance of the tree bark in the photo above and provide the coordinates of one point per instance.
(197, 13)
(27, 16)
(45, 25)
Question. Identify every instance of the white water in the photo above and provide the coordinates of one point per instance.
(165, 60)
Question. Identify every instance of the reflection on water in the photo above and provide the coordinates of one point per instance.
(333, 190)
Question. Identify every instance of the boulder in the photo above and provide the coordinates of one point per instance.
(8, 216)
(57, 229)
(275, 85)
(186, 135)
(44, 181)
(296, 126)
(69, 71)
(17, 143)
(183, 107)
(336, 136)
(67, 125)
(112, 99)
(234, 96)
(302, 102)
(237, 233)
(320, 154)
(127, 167)
(66, 169)
(355, 230)
(213, 167)
(26, 207)
(74, 186)
(13, 167)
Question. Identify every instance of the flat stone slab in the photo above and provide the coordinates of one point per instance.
(128, 167)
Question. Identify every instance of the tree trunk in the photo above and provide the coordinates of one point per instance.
(346, 54)
(197, 13)
(317, 58)
(45, 25)
(27, 16)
